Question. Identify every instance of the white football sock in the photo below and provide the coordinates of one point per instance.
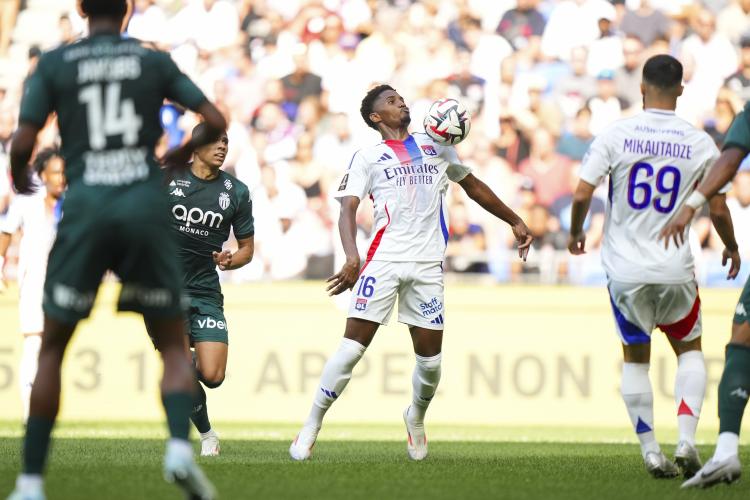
(424, 382)
(639, 399)
(689, 390)
(727, 445)
(180, 448)
(336, 374)
(27, 369)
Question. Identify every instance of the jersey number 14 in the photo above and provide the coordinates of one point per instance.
(640, 192)
(107, 115)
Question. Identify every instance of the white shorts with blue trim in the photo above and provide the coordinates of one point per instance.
(418, 286)
(640, 308)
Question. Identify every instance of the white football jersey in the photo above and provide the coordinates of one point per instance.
(407, 181)
(654, 160)
(29, 213)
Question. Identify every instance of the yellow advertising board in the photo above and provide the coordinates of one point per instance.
(513, 355)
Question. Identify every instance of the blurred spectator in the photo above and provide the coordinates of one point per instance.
(628, 77)
(723, 115)
(467, 246)
(68, 33)
(645, 23)
(147, 22)
(739, 82)
(301, 83)
(605, 53)
(575, 142)
(467, 86)
(572, 91)
(211, 24)
(511, 144)
(714, 57)
(606, 106)
(8, 13)
(734, 20)
(548, 170)
(572, 23)
(523, 26)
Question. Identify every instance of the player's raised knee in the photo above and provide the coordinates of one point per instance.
(212, 378)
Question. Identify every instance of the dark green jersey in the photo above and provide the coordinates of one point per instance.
(738, 135)
(202, 214)
(107, 91)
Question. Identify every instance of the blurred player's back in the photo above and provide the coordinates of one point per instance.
(655, 161)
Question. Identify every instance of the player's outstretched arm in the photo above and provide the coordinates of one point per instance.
(21, 149)
(581, 202)
(349, 273)
(720, 174)
(722, 220)
(487, 199)
(227, 261)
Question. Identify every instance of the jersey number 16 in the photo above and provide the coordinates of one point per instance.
(640, 192)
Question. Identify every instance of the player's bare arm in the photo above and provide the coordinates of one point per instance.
(227, 261)
(720, 174)
(487, 199)
(347, 276)
(21, 149)
(581, 202)
(722, 220)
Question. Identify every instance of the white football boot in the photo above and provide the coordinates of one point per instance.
(180, 468)
(27, 490)
(687, 459)
(302, 446)
(660, 466)
(714, 472)
(416, 439)
(210, 444)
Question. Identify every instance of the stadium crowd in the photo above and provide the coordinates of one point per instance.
(540, 77)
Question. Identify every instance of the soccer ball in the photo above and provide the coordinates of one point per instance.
(447, 122)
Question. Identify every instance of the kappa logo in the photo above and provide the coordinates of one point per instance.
(227, 184)
(361, 304)
(740, 310)
(385, 157)
(429, 150)
(344, 181)
(210, 322)
(224, 201)
(177, 192)
(740, 393)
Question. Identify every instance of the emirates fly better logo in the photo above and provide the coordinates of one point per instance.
(224, 201)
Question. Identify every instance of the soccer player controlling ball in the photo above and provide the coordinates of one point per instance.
(205, 203)
(107, 91)
(653, 161)
(734, 387)
(407, 177)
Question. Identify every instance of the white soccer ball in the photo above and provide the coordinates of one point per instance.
(447, 122)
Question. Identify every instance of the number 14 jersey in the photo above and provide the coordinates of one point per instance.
(654, 161)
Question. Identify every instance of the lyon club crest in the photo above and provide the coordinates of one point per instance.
(224, 201)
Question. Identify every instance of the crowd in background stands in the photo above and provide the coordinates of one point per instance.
(540, 77)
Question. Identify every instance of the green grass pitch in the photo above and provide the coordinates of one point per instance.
(122, 461)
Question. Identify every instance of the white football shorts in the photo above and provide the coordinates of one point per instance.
(417, 285)
(639, 308)
(31, 316)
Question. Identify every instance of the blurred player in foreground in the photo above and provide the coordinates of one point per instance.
(734, 387)
(206, 202)
(37, 216)
(407, 177)
(653, 161)
(107, 91)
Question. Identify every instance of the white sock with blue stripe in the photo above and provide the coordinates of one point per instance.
(336, 374)
(424, 382)
(639, 400)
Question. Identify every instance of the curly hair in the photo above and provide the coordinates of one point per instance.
(369, 101)
(43, 157)
(115, 9)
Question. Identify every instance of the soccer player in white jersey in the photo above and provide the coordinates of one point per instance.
(654, 160)
(37, 216)
(407, 178)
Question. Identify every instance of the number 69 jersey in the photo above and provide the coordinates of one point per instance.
(654, 160)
